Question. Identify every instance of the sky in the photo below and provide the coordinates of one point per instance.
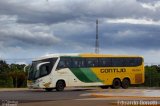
(33, 28)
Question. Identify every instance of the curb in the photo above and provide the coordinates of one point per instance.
(109, 96)
(13, 89)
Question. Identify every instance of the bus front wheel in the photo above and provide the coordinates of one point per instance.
(116, 84)
(60, 85)
(125, 83)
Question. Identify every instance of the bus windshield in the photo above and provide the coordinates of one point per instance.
(45, 67)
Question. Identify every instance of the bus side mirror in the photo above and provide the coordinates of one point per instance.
(25, 69)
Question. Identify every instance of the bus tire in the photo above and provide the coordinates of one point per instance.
(60, 85)
(104, 87)
(48, 89)
(125, 83)
(116, 84)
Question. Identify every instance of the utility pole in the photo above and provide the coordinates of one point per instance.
(97, 39)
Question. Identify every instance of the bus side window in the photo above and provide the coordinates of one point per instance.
(64, 63)
(132, 62)
(92, 62)
(117, 62)
(78, 62)
(83, 63)
(68, 63)
(61, 64)
(45, 69)
(125, 62)
(75, 62)
(138, 61)
(105, 62)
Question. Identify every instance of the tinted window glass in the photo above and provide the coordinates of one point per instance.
(45, 69)
(117, 62)
(64, 63)
(105, 62)
(126, 62)
(139, 61)
(130, 62)
(120, 62)
(61, 64)
(34, 73)
(133, 61)
(92, 62)
(78, 62)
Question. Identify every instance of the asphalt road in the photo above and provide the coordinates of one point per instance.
(41, 95)
(69, 97)
(73, 97)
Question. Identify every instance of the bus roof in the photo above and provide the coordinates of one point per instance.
(82, 55)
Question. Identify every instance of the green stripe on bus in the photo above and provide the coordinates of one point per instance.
(80, 75)
(84, 74)
(90, 75)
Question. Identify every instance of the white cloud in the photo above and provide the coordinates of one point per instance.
(28, 34)
(21, 62)
(134, 21)
(32, 28)
(72, 28)
(8, 18)
(125, 33)
(152, 6)
(152, 57)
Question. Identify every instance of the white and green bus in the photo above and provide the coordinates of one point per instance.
(60, 71)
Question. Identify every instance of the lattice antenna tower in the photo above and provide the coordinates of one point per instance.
(97, 39)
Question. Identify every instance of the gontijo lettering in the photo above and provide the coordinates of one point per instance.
(115, 70)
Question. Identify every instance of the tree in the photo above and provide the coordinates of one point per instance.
(12, 75)
(4, 67)
(152, 76)
(18, 75)
(5, 79)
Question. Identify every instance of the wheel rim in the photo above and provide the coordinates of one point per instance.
(60, 86)
(125, 84)
(116, 84)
